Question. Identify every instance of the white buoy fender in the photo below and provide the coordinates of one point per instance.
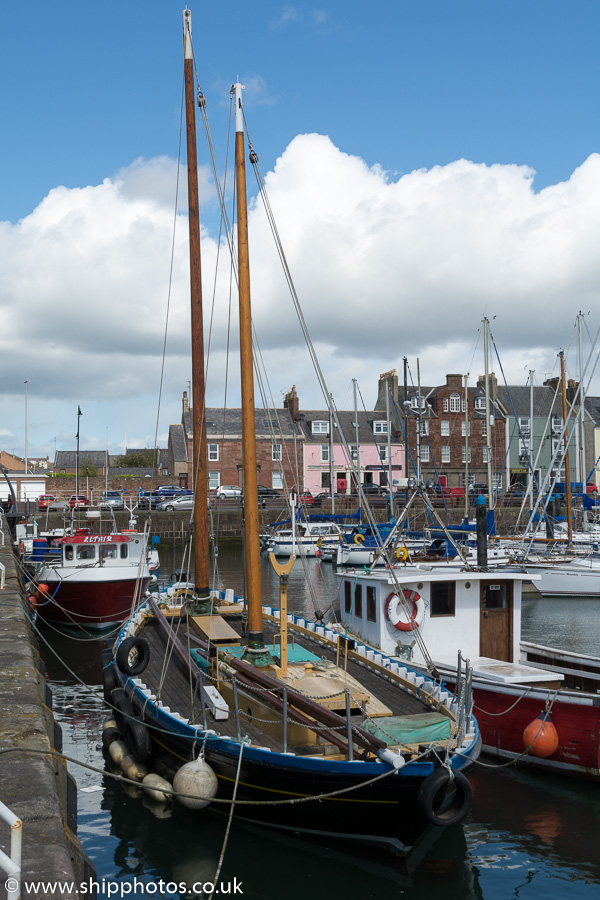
(159, 789)
(198, 780)
(117, 751)
(109, 723)
(132, 768)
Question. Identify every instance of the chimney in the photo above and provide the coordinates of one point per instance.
(186, 405)
(388, 379)
(455, 382)
(493, 385)
(292, 403)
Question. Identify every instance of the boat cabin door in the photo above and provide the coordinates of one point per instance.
(496, 620)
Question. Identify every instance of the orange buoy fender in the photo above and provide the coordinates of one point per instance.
(542, 736)
(42, 592)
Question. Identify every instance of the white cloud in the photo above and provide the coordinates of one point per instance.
(385, 267)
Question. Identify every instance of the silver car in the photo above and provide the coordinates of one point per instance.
(111, 500)
(184, 501)
(228, 490)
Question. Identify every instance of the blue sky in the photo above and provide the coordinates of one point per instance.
(91, 90)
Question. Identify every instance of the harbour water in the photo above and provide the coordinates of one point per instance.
(526, 836)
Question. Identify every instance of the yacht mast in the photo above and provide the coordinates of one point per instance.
(199, 457)
(255, 651)
(566, 440)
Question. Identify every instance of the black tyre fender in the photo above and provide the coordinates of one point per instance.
(133, 655)
(124, 711)
(138, 738)
(433, 793)
(109, 680)
(109, 735)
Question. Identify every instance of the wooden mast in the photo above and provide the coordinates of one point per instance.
(566, 440)
(199, 458)
(255, 651)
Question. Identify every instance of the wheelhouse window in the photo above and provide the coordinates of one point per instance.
(494, 596)
(124, 551)
(108, 552)
(86, 552)
(358, 601)
(443, 598)
(68, 552)
(371, 606)
(347, 597)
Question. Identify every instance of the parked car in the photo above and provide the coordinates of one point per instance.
(478, 488)
(59, 506)
(305, 498)
(267, 491)
(224, 491)
(377, 490)
(111, 500)
(78, 500)
(44, 501)
(183, 501)
(172, 490)
(324, 498)
(150, 500)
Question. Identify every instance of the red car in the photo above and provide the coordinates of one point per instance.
(306, 499)
(78, 500)
(44, 500)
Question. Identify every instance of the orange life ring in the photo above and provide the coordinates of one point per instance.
(417, 614)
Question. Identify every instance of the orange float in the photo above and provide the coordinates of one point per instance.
(542, 736)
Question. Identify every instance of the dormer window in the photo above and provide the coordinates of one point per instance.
(320, 427)
(414, 402)
(479, 402)
(380, 427)
(455, 403)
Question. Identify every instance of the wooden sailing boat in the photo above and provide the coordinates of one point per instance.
(242, 704)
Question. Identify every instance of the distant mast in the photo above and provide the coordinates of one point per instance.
(199, 457)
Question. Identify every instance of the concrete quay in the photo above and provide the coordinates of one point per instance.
(36, 787)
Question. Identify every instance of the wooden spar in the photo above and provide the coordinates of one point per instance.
(566, 440)
(199, 458)
(253, 579)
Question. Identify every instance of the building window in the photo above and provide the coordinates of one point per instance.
(464, 454)
(424, 453)
(320, 427)
(353, 451)
(214, 480)
(464, 428)
(445, 453)
(424, 426)
(213, 453)
(276, 481)
(484, 452)
(479, 402)
(484, 429)
(557, 445)
(382, 450)
(276, 450)
(454, 402)
(446, 404)
(324, 452)
(380, 427)
(325, 481)
(443, 598)
(524, 424)
(371, 605)
(445, 427)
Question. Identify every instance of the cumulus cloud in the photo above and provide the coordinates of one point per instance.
(385, 266)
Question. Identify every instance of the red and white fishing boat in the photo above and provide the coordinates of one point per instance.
(92, 580)
(536, 705)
